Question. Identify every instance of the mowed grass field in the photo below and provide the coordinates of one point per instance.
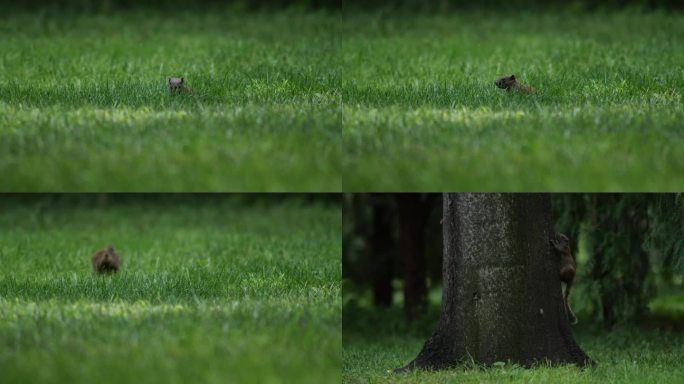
(84, 104)
(207, 293)
(623, 357)
(377, 342)
(421, 112)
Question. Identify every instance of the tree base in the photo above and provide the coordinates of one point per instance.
(436, 355)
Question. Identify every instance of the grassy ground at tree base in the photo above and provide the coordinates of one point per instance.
(376, 341)
(213, 293)
(623, 357)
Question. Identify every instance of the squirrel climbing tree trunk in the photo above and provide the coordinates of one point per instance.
(501, 298)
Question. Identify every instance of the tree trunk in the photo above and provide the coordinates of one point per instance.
(501, 298)
(412, 211)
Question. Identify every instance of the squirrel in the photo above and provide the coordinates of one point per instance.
(568, 267)
(177, 85)
(106, 261)
(509, 82)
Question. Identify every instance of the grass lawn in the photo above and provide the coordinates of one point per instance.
(623, 357)
(421, 112)
(84, 104)
(208, 293)
(375, 344)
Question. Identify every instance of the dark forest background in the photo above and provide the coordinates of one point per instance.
(629, 250)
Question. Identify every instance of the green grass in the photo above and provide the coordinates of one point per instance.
(210, 293)
(421, 112)
(378, 343)
(84, 104)
(623, 357)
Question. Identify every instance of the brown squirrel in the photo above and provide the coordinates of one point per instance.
(509, 82)
(106, 261)
(561, 246)
(177, 85)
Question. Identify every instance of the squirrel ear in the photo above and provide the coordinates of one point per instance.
(182, 80)
(512, 77)
(169, 79)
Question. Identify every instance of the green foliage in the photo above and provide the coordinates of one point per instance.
(446, 6)
(421, 112)
(619, 266)
(665, 240)
(213, 293)
(626, 245)
(84, 104)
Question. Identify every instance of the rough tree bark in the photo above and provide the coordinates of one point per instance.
(501, 298)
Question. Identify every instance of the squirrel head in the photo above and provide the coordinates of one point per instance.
(561, 243)
(176, 82)
(110, 252)
(505, 82)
